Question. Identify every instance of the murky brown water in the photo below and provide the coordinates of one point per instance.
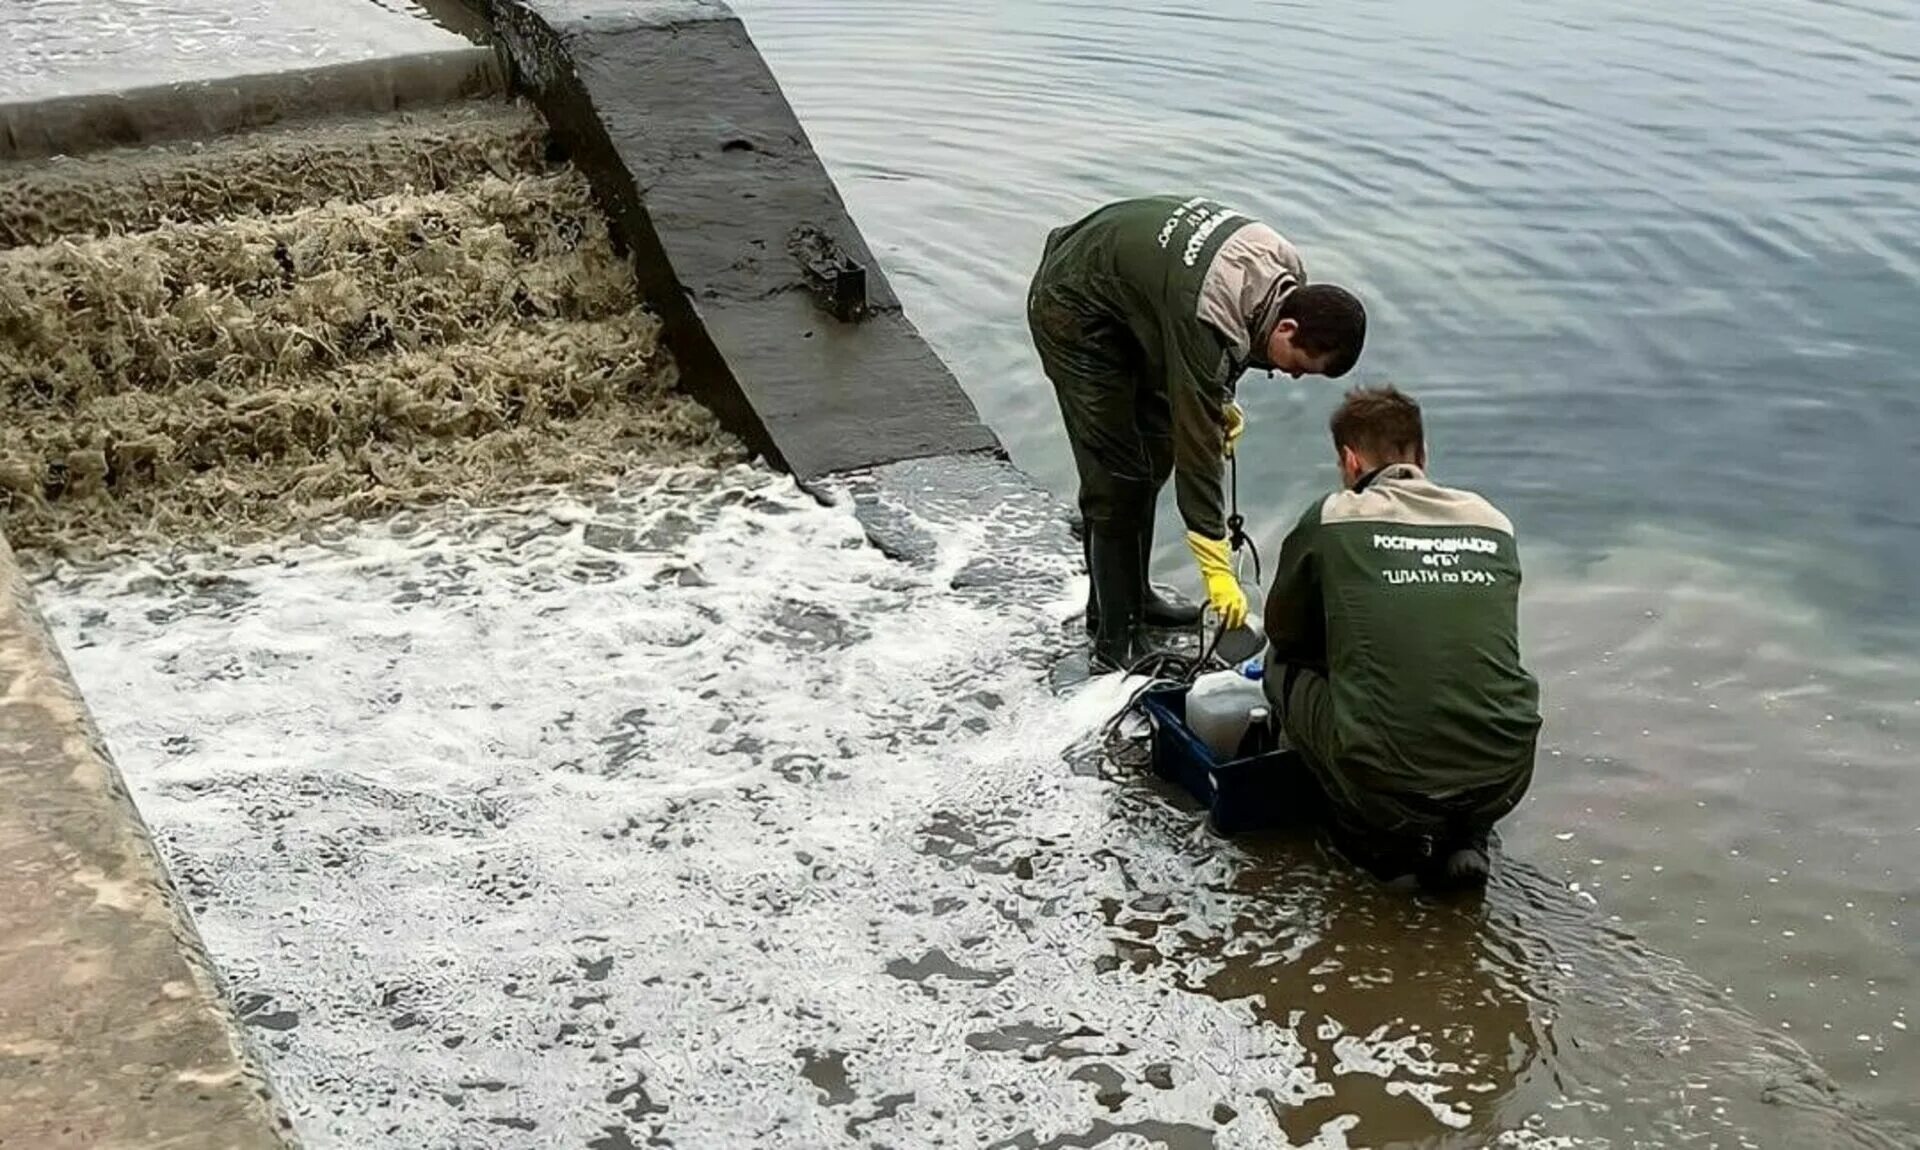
(1653, 269)
(578, 826)
(867, 886)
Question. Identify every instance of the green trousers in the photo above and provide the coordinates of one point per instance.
(1118, 424)
(1389, 833)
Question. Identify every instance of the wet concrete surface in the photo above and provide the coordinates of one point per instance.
(112, 1031)
(205, 109)
(54, 49)
(709, 178)
(491, 827)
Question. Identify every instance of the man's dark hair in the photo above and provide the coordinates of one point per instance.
(1381, 423)
(1332, 321)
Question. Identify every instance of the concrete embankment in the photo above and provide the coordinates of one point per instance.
(780, 317)
(224, 315)
(206, 340)
(113, 1028)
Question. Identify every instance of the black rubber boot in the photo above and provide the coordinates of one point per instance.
(1468, 866)
(1113, 562)
(1155, 611)
(1093, 589)
(1465, 865)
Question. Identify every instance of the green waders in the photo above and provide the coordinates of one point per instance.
(1389, 835)
(1120, 428)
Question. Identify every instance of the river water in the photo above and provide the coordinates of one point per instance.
(677, 814)
(1651, 267)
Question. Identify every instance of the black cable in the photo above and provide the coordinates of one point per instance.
(1236, 523)
(1171, 668)
(1163, 669)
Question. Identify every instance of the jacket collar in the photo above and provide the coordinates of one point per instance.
(1390, 472)
(1265, 318)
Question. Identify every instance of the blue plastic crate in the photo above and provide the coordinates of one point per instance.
(1252, 793)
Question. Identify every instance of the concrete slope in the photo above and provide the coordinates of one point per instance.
(708, 176)
(113, 1029)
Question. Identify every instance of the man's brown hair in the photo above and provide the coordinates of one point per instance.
(1381, 423)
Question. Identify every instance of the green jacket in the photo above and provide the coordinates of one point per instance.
(1198, 287)
(1407, 594)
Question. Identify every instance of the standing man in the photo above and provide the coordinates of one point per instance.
(1145, 313)
(1394, 658)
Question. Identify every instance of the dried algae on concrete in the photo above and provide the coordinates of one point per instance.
(343, 325)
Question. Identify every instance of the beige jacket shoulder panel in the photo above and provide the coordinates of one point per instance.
(1243, 271)
(1404, 496)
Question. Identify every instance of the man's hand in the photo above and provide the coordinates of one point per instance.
(1216, 569)
(1236, 423)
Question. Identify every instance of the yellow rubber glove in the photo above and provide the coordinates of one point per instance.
(1223, 590)
(1236, 423)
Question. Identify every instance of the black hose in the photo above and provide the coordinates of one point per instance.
(1236, 523)
(1163, 669)
(1171, 668)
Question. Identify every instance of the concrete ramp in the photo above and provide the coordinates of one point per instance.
(706, 173)
(113, 1028)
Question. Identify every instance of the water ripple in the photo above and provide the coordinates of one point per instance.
(1650, 263)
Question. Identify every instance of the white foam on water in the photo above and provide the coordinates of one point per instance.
(512, 829)
(683, 813)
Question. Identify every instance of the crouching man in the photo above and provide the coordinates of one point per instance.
(1395, 657)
